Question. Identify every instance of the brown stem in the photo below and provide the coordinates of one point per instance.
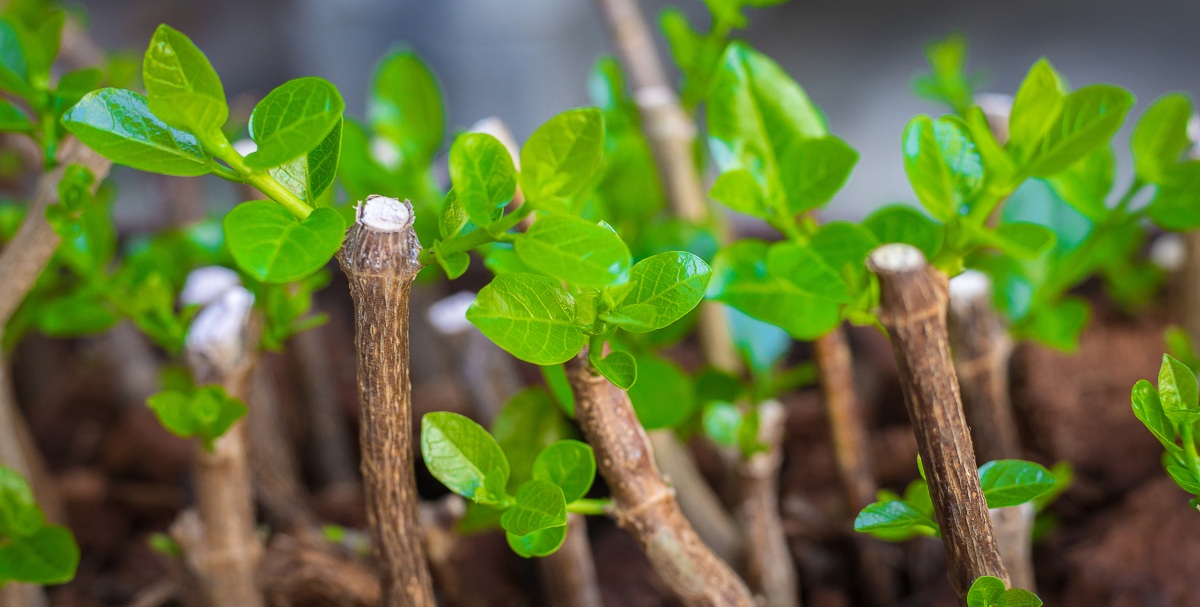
(644, 504)
(982, 349)
(294, 572)
(699, 502)
(835, 368)
(770, 571)
(219, 540)
(913, 309)
(277, 482)
(379, 259)
(569, 575)
(334, 460)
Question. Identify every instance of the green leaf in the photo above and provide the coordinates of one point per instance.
(13, 118)
(740, 279)
(292, 120)
(892, 515)
(543, 542)
(569, 464)
(1148, 408)
(118, 125)
(1090, 117)
(206, 413)
(574, 250)
(902, 223)
(406, 107)
(464, 457)
(1024, 240)
(1178, 392)
(561, 157)
(762, 345)
(1161, 137)
(662, 289)
(800, 265)
(948, 82)
(19, 513)
(1037, 105)
(483, 175)
(530, 316)
(48, 556)
(14, 64)
(618, 367)
(1086, 184)
(539, 505)
(1181, 474)
(722, 422)
(1176, 205)
(814, 170)
(308, 176)
(273, 246)
(1011, 482)
(738, 190)
(663, 396)
(1057, 325)
(988, 591)
(942, 164)
(183, 88)
(528, 423)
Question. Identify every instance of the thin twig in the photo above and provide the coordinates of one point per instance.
(569, 575)
(769, 568)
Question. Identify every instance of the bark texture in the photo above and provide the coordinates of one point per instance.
(913, 300)
(770, 571)
(569, 575)
(379, 258)
(697, 499)
(276, 473)
(644, 505)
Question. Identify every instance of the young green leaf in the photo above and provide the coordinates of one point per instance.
(663, 396)
(740, 279)
(207, 412)
(1090, 117)
(183, 88)
(543, 542)
(464, 457)
(1022, 240)
(722, 422)
(1176, 205)
(574, 250)
(662, 289)
(618, 367)
(1012, 482)
(561, 156)
(762, 345)
(49, 555)
(902, 223)
(308, 176)
(814, 170)
(13, 118)
(119, 125)
(1057, 325)
(273, 246)
(1148, 408)
(738, 190)
(892, 515)
(1035, 108)
(800, 265)
(483, 175)
(1086, 184)
(1161, 137)
(539, 505)
(531, 317)
(528, 423)
(942, 164)
(406, 107)
(988, 591)
(569, 464)
(1178, 392)
(292, 120)
(14, 64)
(19, 513)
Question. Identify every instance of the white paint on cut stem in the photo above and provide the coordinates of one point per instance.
(204, 285)
(897, 257)
(449, 315)
(384, 214)
(216, 338)
(1168, 252)
(968, 288)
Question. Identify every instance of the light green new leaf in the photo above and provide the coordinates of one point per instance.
(722, 422)
(1011, 482)
(292, 120)
(801, 265)
(14, 64)
(814, 170)
(311, 174)
(738, 190)
(464, 457)
(988, 591)
(892, 515)
(1035, 108)
(530, 316)
(1176, 206)
(561, 157)
(48, 556)
(183, 88)
(760, 344)
(406, 106)
(271, 245)
(569, 464)
(574, 250)
(1161, 137)
(1086, 184)
(1178, 392)
(1022, 240)
(942, 164)
(13, 118)
(543, 542)
(662, 289)
(19, 513)
(528, 423)
(539, 505)
(902, 223)
(1057, 325)
(618, 367)
(740, 279)
(1148, 408)
(483, 176)
(664, 396)
(118, 125)
(206, 413)
(1090, 117)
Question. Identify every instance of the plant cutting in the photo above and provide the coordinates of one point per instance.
(1170, 412)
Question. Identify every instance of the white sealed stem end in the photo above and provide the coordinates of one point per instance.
(205, 285)
(969, 288)
(896, 257)
(384, 214)
(216, 340)
(449, 316)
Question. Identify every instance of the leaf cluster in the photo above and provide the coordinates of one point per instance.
(1170, 412)
(31, 549)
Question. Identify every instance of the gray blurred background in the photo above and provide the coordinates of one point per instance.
(525, 60)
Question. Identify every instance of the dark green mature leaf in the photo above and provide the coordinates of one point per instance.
(561, 156)
(539, 505)
(814, 170)
(574, 250)
(1011, 482)
(47, 556)
(1161, 137)
(1176, 206)
(740, 279)
(1090, 117)
(183, 88)
(1178, 392)
(273, 246)
(292, 120)
(662, 289)
(902, 223)
(569, 464)
(406, 107)
(892, 515)
(13, 118)
(543, 542)
(311, 174)
(1038, 103)
(529, 422)
(483, 175)
(942, 164)
(464, 457)
(531, 317)
(663, 396)
(1148, 408)
(118, 124)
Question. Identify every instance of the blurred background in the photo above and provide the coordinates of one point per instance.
(525, 60)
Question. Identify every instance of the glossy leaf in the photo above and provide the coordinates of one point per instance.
(569, 464)
(1148, 408)
(722, 422)
(292, 120)
(182, 86)
(543, 542)
(118, 125)
(574, 250)
(1178, 392)
(530, 316)
(19, 513)
(814, 170)
(1037, 105)
(740, 279)
(539, 505)
(206, 413)
(988, 591)
(1176, 206)
(483, 175)
(738, 190)
(1012, 482)
(618, 367)
(1086, 184)
(47, 556)
(800, 265)
(942, 164)
(1161, 137)
(14, 64)
(464, 457)
(310, 175)
(662, 289)
(901, 223)
(561, 157)
(891, 515)
(761, 344)
(663, 396)
(273, 246)
(1090, 117)
(406, 107)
